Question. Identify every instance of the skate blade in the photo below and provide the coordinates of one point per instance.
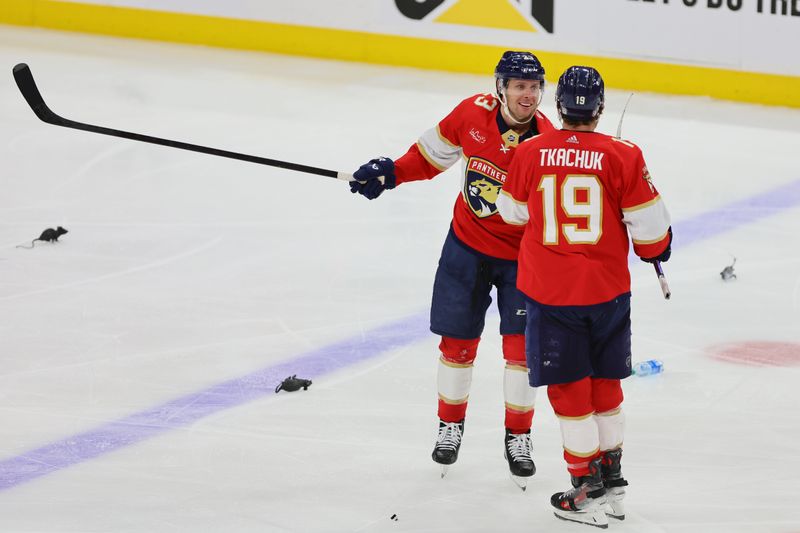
(615, 510)
(444, 470)
(519, 481)
(596, 518)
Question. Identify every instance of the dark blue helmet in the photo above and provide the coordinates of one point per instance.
(580, 94)
(521, 65)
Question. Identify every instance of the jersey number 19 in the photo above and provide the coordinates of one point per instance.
(590, 208)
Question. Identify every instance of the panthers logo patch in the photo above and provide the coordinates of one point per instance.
(482, 185)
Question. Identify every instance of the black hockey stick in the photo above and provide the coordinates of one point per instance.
(27, 86)
(662, 279)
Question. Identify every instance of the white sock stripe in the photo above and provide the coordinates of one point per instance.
(580, 437)
(517, 391)
(454, 382)
(611, 428)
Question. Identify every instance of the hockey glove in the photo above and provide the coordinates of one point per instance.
(367, 183)
(664, 256)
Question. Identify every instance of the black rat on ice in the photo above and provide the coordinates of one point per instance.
(48, 235)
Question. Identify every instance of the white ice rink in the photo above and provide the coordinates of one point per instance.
(139, 355)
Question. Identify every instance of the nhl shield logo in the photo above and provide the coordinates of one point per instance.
(482, 185)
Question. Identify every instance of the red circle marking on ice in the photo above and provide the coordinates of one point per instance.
(758, 353)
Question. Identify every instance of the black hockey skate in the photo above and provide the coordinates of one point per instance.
(448, 442)
(585, 502)
(614, 483)
(518, 452)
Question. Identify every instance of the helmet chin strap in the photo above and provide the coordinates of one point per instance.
(509, 115)
(501, 95)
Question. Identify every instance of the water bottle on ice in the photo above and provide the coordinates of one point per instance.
(647, 368)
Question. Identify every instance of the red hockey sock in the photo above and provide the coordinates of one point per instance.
(452, 413)
(518, 422)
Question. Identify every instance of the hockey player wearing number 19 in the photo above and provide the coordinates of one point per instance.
(480, 251)
(578, 193)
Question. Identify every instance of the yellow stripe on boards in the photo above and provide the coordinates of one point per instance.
(391, 49)
(17, 12)
(486, 14)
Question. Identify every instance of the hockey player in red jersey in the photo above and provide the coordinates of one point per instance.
(480, 251)
(578, 194)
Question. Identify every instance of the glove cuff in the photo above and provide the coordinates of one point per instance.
(390, 180)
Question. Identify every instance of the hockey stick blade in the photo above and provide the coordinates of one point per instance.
(27, 86)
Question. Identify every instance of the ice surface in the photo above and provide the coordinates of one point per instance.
(139, 355)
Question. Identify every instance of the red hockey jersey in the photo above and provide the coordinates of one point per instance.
(576, 193)
(476, 133)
